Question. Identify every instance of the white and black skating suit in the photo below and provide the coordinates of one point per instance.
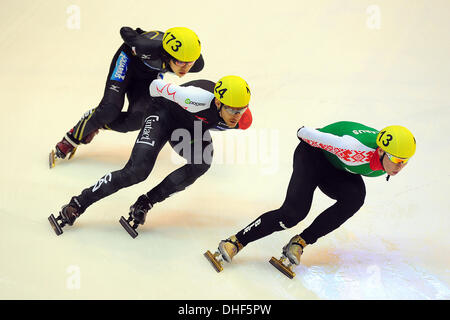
(138, 61)
(182, 116)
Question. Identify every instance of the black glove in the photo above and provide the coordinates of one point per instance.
(143, 47)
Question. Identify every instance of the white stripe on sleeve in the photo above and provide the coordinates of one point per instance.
(192, 99)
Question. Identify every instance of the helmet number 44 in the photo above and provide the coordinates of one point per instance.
(387, 140)
(177, 45)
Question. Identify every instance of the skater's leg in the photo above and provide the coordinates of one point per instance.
(151, 138)
(198, 156)
(139, 103)
(112, 102)
(304, 180)
(349, 192)
(109, 108)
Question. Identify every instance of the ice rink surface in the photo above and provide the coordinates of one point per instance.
(308, 63)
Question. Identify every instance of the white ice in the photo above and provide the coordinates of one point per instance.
(308, 63)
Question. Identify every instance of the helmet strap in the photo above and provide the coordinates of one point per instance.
(165, 58)
(381, 161)
(220, 108)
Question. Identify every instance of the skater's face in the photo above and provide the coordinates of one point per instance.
(180, 68)
(390, 166)
(230, 115)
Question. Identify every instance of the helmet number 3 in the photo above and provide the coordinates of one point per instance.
(175, 46)
(387, 139)
(221, 92)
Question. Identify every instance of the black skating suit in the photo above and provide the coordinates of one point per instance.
(182, 116)
(138, 61)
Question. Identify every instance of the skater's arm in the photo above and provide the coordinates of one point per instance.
(190, 98)
(143, 47)
(317, 138)
(330, 142)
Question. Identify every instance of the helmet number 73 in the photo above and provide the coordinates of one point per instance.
(172, 37)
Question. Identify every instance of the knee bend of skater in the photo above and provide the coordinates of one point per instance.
(99, 120)
(188, 174)
(133, 121)
(199, 169)
(289, 217)
(288, 222)
(198, 161)
(298, 210)
(347, 192)
(353, 198)
(107, 112)
(135, 173)
(341, 211)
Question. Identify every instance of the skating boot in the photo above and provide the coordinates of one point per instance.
(68, 214)
(63, 148)
(68, 146)
(226, 251)
(137, 215)
(290, 256)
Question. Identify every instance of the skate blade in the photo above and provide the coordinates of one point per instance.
(55, 225)
(132, 232)
(72, 154)
(212, 259)
(282, 268)
(51, 159)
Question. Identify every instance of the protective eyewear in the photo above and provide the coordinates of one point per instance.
(396, 160)
(234, 111)
(182, 63)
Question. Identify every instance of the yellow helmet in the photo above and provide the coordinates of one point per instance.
(397, 141)
(182, 44)
(232, 91)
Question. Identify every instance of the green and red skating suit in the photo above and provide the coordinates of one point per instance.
(349, 146)
(334, 159)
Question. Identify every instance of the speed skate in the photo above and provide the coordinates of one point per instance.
(131, 229)
(53, 157)
(57, 224)
(284, 266)
(215, 259)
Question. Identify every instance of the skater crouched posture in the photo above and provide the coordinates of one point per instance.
(332, 158)
(182, 115)
(143, 57)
